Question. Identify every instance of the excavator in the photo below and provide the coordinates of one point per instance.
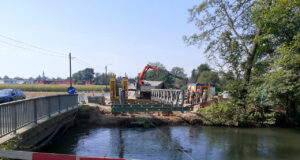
(143, 89)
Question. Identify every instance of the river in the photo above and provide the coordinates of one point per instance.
(180, 142)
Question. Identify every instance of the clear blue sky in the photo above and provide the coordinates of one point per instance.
(124, 33)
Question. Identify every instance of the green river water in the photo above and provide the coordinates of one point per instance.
(180, 143)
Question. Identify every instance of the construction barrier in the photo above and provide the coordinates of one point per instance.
(26, 155)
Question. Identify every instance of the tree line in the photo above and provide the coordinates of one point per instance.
(257, 43)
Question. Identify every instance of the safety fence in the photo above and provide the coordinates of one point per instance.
(17, 114)
(168, 96)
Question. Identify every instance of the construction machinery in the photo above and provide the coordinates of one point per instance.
(116, 87)
(143, 88)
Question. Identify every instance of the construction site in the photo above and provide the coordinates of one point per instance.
(129, 104)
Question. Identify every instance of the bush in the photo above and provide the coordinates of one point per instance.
(224, 113)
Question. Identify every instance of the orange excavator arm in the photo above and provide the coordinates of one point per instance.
(144, 71)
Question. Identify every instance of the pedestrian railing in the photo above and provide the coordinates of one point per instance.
(17, 114)
(168, 96)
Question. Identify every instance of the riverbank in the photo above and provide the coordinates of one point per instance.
(100, 115)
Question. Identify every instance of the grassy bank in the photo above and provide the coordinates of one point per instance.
(51, 87)
(224, 113)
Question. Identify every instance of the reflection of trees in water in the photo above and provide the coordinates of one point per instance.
(146, 141)
(169, 144)
(121, 145)
(117, 142)
(67, 142)
(237, 143)
(194, 132)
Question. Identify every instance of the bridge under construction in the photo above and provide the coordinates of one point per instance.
(161, 100)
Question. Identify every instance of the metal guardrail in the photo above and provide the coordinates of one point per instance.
(161, 100)
(17, 114)
(168, 96)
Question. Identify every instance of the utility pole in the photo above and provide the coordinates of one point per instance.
(106, 78)
(70, 57)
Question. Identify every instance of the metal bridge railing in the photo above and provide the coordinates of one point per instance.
(168, 96)
(17, 114)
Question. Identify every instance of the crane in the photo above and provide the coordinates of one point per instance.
(143, 90)
(146, 68)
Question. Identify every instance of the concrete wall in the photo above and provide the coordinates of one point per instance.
(41, 132)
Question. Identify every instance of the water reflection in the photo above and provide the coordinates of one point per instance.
(180, 143)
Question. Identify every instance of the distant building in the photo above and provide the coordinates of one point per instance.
(10, 81)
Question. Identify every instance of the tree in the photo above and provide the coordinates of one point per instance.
(203, 67)
(181, 84)
(204, 74)
(194, 76)
(84, 75)
(208, 77)
(100, 78)
(279, 22)
(231, 35)
(153, 75)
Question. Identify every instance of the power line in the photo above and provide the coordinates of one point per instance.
(29, 49)
(33, 46)
(43, 51)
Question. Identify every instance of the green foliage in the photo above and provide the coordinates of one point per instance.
(84, 75)
(227, 114)
(100, 78)
(198, 72)
(84, 108)
(221, 113)
(277, 77)
(208, 77)
(169, 80)
(178, 83)
(258, 42)
(13, 144)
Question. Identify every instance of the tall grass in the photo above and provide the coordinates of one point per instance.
(51, 87)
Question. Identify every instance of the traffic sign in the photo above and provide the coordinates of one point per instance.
(71, 90)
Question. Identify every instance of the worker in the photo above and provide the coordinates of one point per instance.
(188, 96)
(193, 98)
(205, 95)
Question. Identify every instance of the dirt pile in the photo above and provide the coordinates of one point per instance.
(99, 115)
